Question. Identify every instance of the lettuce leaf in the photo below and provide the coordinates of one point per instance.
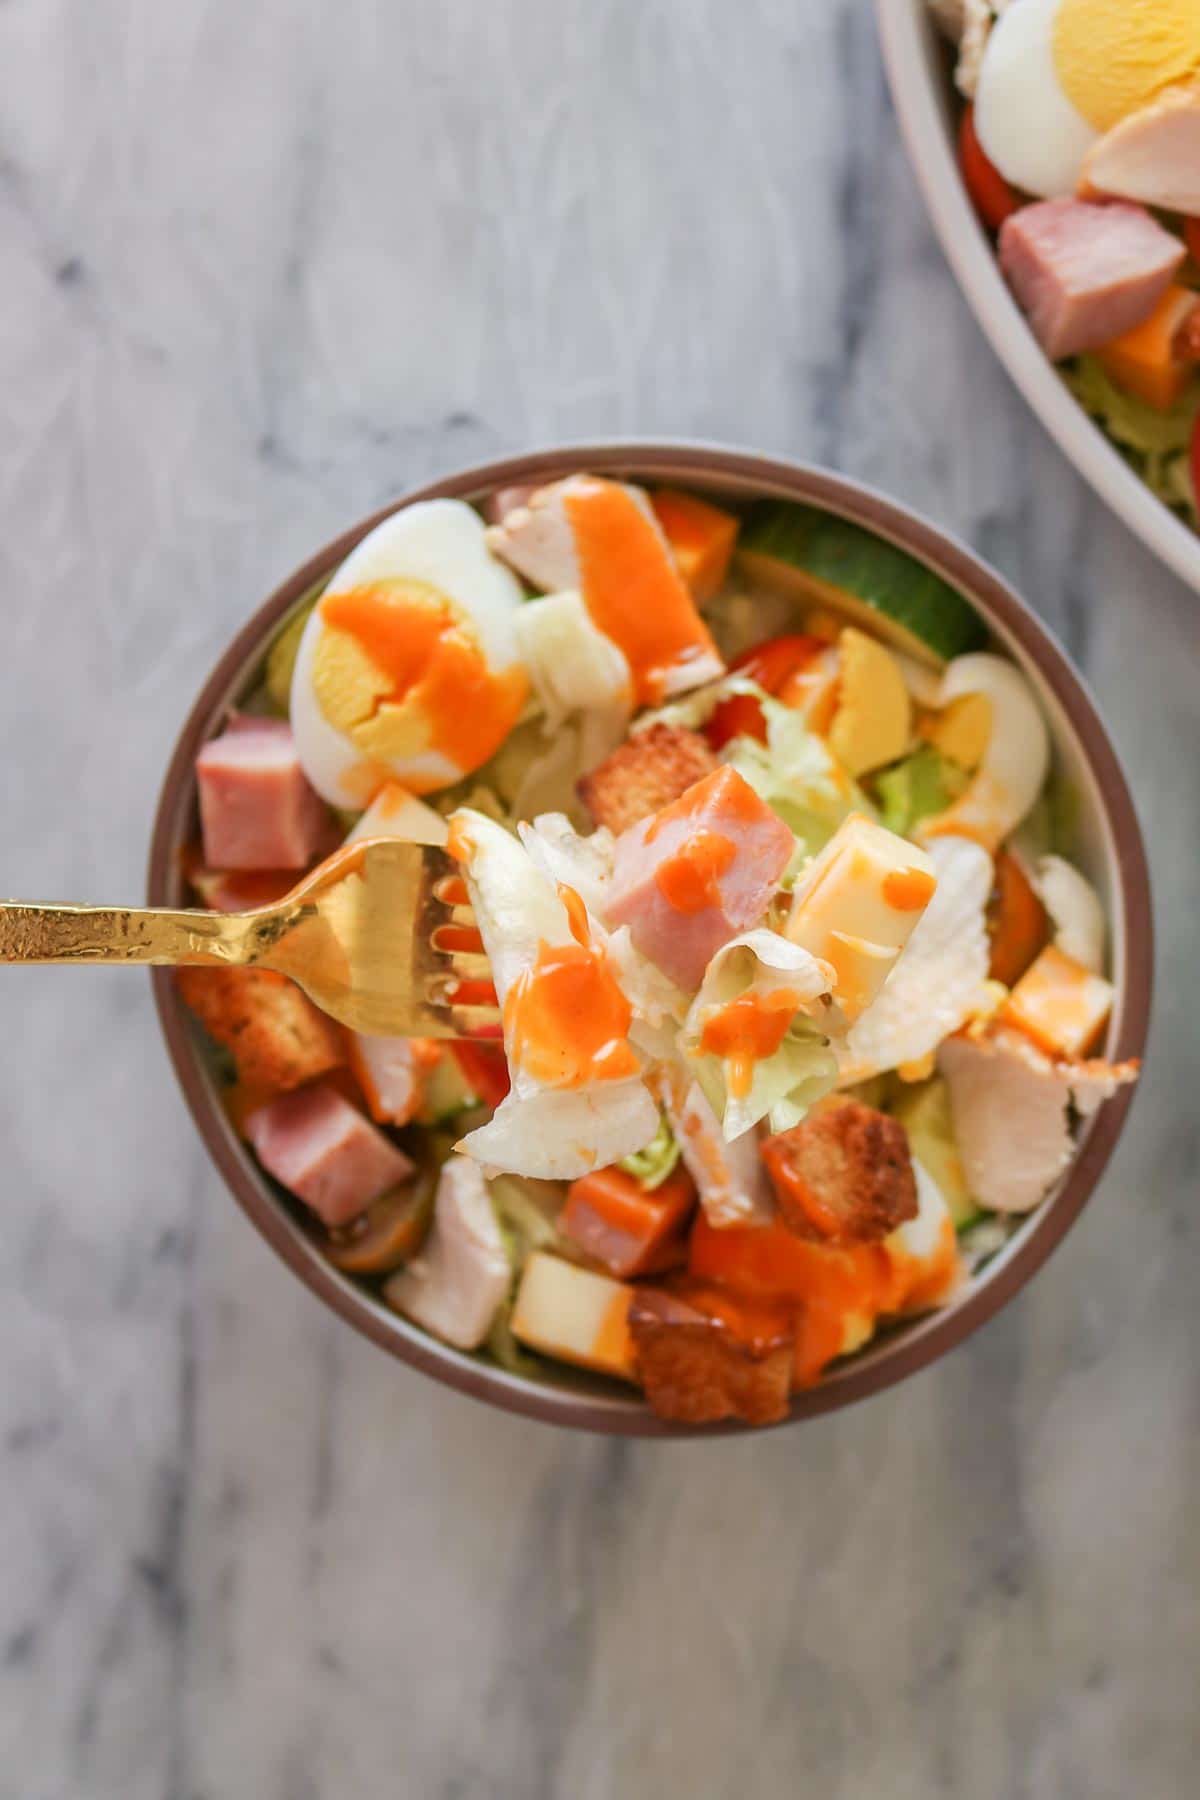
(798, 777)
(554, 1134)
(1155, 442)
(527, 1211)
(917, 787)
(572, 665)
(652, 1165)
(782, 1088)
(785, 1084)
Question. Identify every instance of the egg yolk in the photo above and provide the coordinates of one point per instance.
(1112, 56)
(399, 671)
(566, 1019)
(749, 1029)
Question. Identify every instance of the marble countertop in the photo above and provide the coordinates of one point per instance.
(264, 266)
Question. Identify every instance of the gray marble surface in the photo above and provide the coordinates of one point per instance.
(263, 266)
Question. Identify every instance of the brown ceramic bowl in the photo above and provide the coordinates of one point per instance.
(1110, 846)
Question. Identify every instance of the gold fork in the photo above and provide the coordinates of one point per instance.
(381, 936)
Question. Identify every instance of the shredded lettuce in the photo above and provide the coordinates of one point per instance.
(652, 1165)
(526, 1211)
(798, 777)
(924, 1111)
(1155, 442)
(525, 1214)
(697, 707)
(782, 1088)
(922, 784)
(540, 1130)
(784, 1085)
(572, 665)
(503, 1348)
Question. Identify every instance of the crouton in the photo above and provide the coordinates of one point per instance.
(842, 1176)
(645, 773)
(277, 1037)
(702, 1355)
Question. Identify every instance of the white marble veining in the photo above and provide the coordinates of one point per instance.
(262, 266)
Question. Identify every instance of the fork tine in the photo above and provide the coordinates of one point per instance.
(477, 1022)
(461, 986)
(457, 940)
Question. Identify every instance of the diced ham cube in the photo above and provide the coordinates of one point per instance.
(697, 873)
(630, 1229)
(326, 1152)
(257, 809)
(457, 1283)
(1084, 273)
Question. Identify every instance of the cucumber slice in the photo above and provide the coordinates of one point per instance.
(447, 1093)
(924, 1112)
(828, 561)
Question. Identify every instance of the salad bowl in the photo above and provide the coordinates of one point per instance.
(918, 71)
(1108, 846)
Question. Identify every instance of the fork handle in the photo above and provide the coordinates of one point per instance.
(118, 934)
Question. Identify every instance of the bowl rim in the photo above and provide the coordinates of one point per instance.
(895, 1355)
(909, 39)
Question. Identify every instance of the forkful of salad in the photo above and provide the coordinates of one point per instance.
(381, 936)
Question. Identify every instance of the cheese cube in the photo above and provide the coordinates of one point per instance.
(1059, 1004)
(576, 1315)
(860, 970)
(858, 904)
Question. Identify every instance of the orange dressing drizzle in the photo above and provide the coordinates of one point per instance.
(908, 890)
(459, 845)
(432, 658)
(689, 879)
(566, 1020)
(750, 1028)
(576, 912)
(830, 1287)
(632, 588)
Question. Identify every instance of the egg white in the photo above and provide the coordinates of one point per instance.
(1024, 121)
(440, 542)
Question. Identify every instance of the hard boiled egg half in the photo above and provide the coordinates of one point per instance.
(408, 668)
(1058, 74)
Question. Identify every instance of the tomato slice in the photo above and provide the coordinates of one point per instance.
(484, 1067)
(739, 716)
(769, 664)
(1191, 232)
(993, 197)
